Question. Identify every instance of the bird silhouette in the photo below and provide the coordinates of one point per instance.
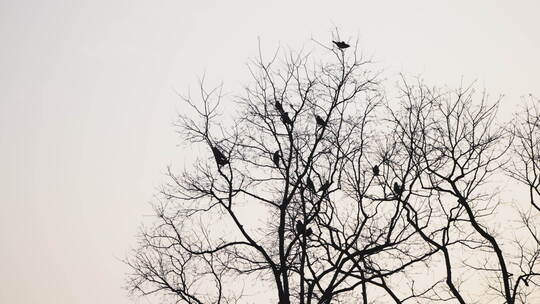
(309, 232)
(279, 106)
(275, 158)
(300, 229)
(324, 187)
(320, 121)
(341, 44)
(376, 170)
(310, 185)
(398, 189)
(221, 160)
(285, 118)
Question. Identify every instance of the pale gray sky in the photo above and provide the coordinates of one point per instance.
(87, 100)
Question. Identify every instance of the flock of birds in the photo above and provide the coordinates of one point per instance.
(222, 160)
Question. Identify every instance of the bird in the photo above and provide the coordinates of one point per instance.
(398, 189)
(275, 158)
(376, 170)
(310, 185)
(285, 118)
(324, 187)
(221, 160)
(309, 232)
(300, 229)
(279, 106)
(341, 44)
(320, 121)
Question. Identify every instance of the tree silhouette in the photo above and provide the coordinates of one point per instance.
(416, 227)
(526, 165)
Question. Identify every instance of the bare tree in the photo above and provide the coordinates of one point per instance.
(326, 190)
(525, 169)
(526, 166)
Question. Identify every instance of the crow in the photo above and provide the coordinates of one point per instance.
(279, 106)
(275, 158)
(310, 185)
(376, 170)
(221, 160)
(300, 229)
(398, 189)
(324, 187)
(341, 44)
(310, 232)
(320, 121)
(285, 118)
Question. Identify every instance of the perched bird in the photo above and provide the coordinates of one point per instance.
(376, 170)
(309, 232)
(320, 121)
(221, 160)
(324, 187)
(279, 106)
(398, 189)
(310, 185)
(300, 229)
(341, 44)
(285, 118)
(275, 158)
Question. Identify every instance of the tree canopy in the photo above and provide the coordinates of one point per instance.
(326, 189)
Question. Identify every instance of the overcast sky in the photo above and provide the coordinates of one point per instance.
(87, 101)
